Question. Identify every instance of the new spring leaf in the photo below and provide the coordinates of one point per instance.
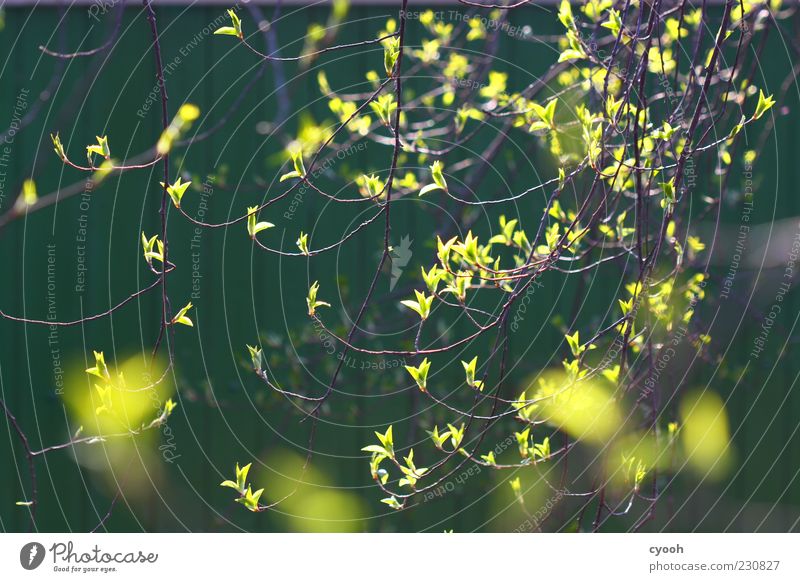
(439, 183)
(100, 148)
(58, 147)
(176, 191)
(469, 371)
(153, 249)
(299, 167)
(386, 448)
(302, 243)
(256, 355)
(422, 305)
(391, 50)
(181, 317)
(764, 104)
(99, 369)
(253, 227)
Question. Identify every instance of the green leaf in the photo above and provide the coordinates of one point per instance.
(439, 439)
(176, 191)
(241, 475)
(253, 227)
(299, 167)
(250, 499)
(542, 450)
(522, 441)
(149, 245)
(375, 449)
(29, 195)
(669, 193)
(58, 147)
(290, 175)
(392, 502)
(764, 104)
(302, 243)
(614, 22)
(422, 305)
(311, 300)
(375, 461)
(411, 471)
(456, 435)
(565, 14)
(99, 369)
(429, 188)
(516, 487)
(443, 250)
(420, 374)
(391, 51)
(571, 55)
(611, 374)
(227, 30)
(257, 357)
(469, 370)
(104, 393)
(546, 113)
(432, 278)
(387, 440)
(169, 406)
(235, 30)
(100, 148)
(371, 186)
(187, 113)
